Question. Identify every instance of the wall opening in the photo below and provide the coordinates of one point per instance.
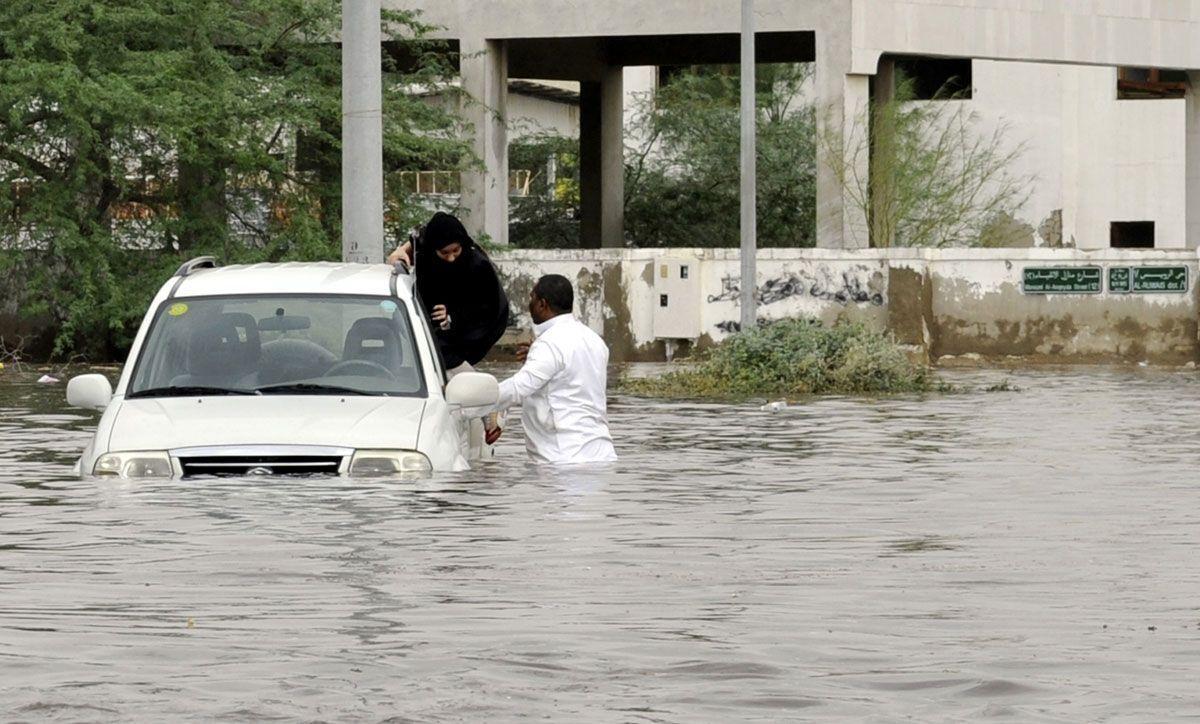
(1150, 83)
(936, 79)
(1132, 235)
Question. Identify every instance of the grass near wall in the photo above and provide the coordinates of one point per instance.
(792, 358)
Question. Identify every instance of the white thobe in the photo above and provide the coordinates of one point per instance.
(561, 390)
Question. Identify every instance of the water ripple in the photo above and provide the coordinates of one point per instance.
(1028, 555)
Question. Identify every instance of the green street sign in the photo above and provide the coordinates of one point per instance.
(1160, 279)
(1061, 280)
(1147, 279)
(1119, 280)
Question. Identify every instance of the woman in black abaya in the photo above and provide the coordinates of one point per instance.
(459, 286)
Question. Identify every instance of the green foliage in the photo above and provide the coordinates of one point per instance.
(793, 357)
(548, 218)
(1002, 386)
(137, 133)
(682, 176)
(936, 178)
(682, 167)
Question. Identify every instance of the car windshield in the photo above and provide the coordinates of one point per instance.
(279, 344)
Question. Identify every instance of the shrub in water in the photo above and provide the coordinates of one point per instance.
(793, 357)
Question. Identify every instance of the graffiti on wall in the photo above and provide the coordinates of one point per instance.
(850, 286)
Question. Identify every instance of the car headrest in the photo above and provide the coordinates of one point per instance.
(226, 346)
(374, 339)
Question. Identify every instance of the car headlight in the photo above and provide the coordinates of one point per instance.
(141, 464)
(378, 463)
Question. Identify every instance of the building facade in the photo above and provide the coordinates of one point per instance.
(1046, 68)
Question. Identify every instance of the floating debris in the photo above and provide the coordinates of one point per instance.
(774, 406)
(47, 380)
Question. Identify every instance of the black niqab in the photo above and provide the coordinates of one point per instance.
(469, 288)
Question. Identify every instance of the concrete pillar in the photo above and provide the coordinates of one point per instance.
(484, 69)
(602, 160)
(843, 147)
(883, 157)
(362, 133)
(1192, 162)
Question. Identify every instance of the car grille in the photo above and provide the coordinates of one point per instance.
(243, 465)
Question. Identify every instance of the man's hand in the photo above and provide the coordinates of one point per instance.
(441, 316)
(522, 351)
(491, 436)
(402, 253)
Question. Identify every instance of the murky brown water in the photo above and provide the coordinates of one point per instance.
(1031, 555)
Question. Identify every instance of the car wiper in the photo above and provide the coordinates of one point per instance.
(311, 388)
(188, 391)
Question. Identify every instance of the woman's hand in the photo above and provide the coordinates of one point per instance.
(441, 317)
(402, 253)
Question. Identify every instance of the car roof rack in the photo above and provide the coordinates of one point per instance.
(200, 262)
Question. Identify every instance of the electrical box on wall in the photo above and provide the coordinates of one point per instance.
(677, 297)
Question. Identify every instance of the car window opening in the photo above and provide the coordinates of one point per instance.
(320, 344)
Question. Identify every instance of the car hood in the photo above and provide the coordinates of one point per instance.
(357, 422)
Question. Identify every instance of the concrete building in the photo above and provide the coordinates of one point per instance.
(1046, 65)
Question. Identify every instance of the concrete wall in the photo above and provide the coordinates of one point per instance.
(574, 18)
(1154, 33)
(1093, 159)
(529, 116)
(943, 303)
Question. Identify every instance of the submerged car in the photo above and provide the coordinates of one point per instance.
(295, 368)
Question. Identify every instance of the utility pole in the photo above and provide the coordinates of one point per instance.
(362, 132)
(749, 171)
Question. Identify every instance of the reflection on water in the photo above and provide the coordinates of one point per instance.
(1026, 554)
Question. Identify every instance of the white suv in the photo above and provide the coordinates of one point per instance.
(269, 369)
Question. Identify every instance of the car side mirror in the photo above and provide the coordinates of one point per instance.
(470, 390)
(92, 392)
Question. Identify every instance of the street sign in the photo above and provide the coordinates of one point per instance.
(1160, 279)
(1061, 280)
(1120, 280)
(1147, 279)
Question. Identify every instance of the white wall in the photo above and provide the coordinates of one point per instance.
(1119, 160)
(1095, 158)
(942, 301)
(534, 116)
(1126, 161)
(1153, 33)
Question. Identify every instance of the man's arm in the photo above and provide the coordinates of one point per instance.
(541, 364)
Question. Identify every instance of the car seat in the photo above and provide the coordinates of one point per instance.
(222, 352)
(374, 339)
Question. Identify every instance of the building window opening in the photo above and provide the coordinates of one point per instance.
(936, 79)
(1150, 83)
(519, 182)
(431, 183)
(1132, 235)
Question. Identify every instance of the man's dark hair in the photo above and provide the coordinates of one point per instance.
(556, 291)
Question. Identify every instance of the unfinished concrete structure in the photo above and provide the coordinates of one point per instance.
(850, 42)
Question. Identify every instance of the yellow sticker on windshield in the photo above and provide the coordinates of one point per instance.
(177, 310)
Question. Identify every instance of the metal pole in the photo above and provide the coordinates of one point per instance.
(362, 132)
(749, 171)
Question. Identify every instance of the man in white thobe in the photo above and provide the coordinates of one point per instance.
(561, 387)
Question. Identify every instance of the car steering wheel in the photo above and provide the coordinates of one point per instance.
(367, 367)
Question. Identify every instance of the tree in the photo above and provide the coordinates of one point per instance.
(137, 133)
(683, 168)
(935, 178)
(548, 218)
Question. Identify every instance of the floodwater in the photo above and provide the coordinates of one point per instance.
(1029, 555)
